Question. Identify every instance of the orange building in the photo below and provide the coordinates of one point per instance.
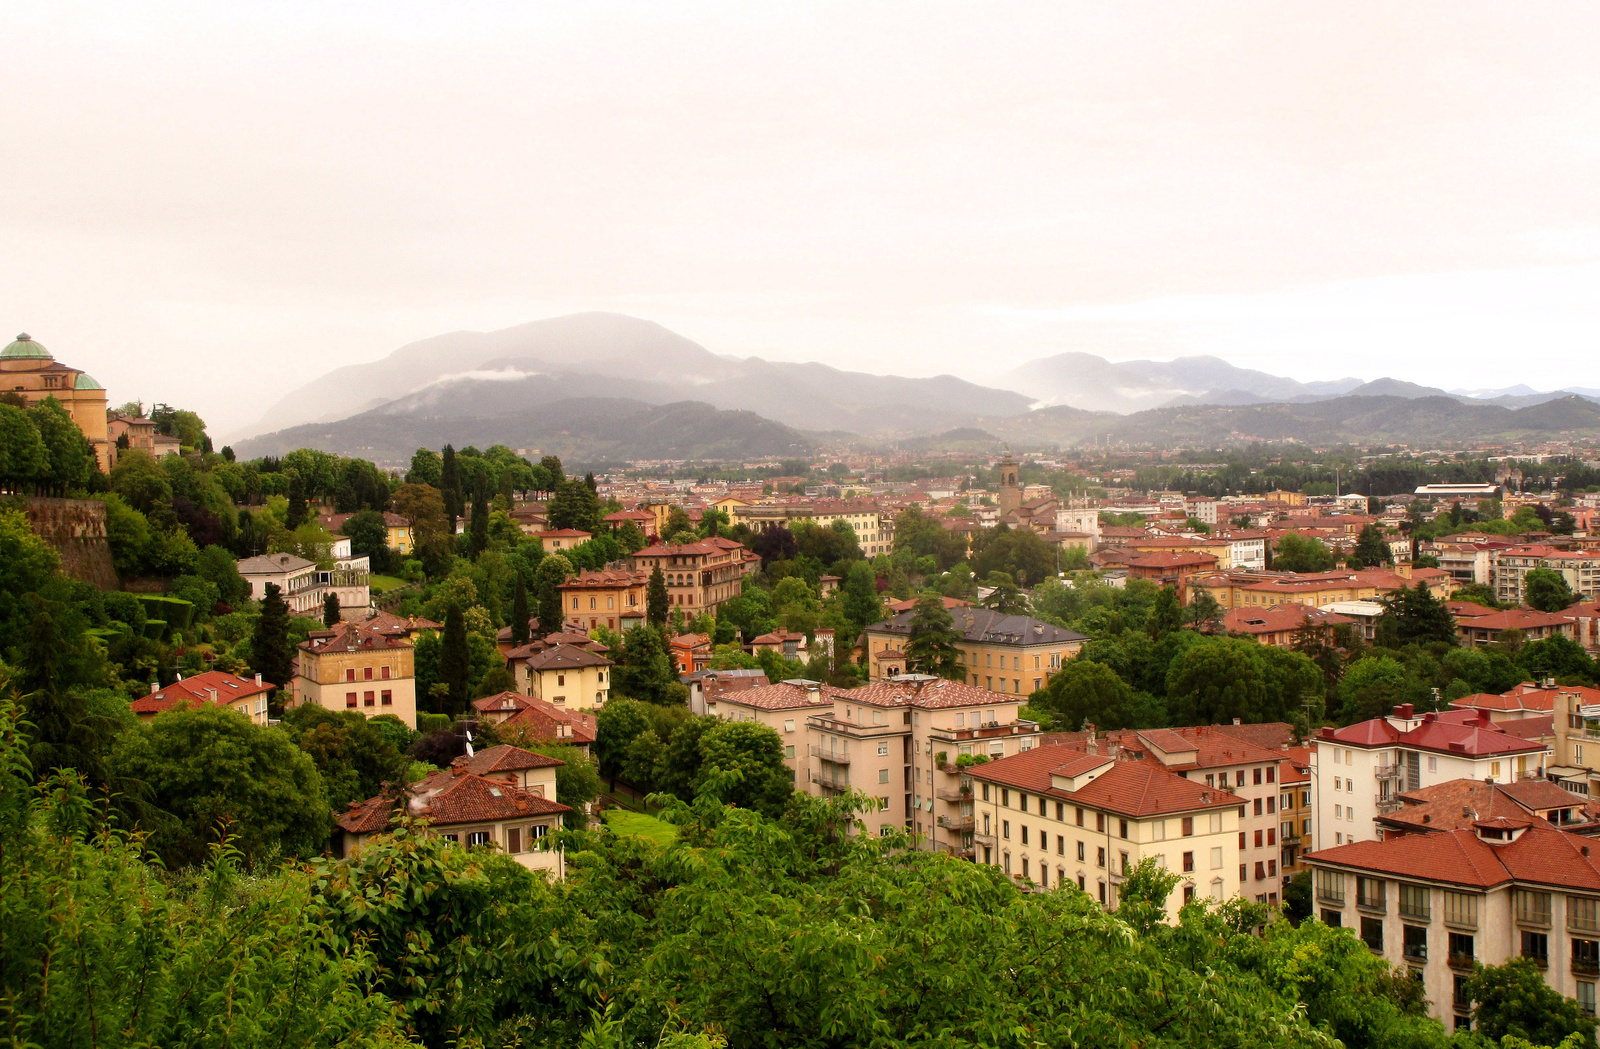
(28, 368)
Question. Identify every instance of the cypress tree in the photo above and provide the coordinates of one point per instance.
(269, 645)
(549, 609)
(453, 662)
(519, 615)
(656, 602)
(480, 518)
(450, 487)
(330, 610)
(298, 512)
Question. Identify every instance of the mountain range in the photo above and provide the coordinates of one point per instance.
(603, 385)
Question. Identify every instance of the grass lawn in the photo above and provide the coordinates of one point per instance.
(648, 827)
(381, 583)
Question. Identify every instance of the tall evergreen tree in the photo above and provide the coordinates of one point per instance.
(547, 580)
(519, 614)
(298, 512)
(480, 517)
(450, 486)
(1414, 615)
(656, 602)
(269, 645)
(1371, 549)
(931, 645)
(454, 662)
(330, 610)
(1165, 616)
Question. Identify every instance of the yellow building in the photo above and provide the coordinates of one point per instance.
(349, 668)
(1001, 653)
(28, 368)
(569, 676)
(1054, 815)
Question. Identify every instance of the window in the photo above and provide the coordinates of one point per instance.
(1188, 862)
(1100, 857)
(1024, 839)
(1079, 813)
(1256, 779)
(1158, 830)
(1006, 862)
(1272, 775)
(479, 837)
(561, 679)
(513, 839)
(1060, 810)
(1061, 845)
(1533, 908)
(1461, 908)
(1414, 943)
(1122, 828)
(1586, 956)
(1258, 839)
(1238, 778)
(1272, 835)
(883, 775)
(788, 751)
(366, 673)
(883, 748)
(1216, 859)
(1005, 828)
(1415, 902)
(1080, 852)
(1536, 945)
(1585, 997)
(1583, 913)
(350, 674)
(350, 699)
(1241, 841)
(1188, 826)
(1461, 948)
(1211, 780)
(368, 699)
(1216, 823)
(1332, 919)
(1372, 933)
(1330, 886)
(1005, 797)
(1100, 822)
(1271, 805)
(1459, 993)
(1024, 865)
(985, 786)
(788, 726)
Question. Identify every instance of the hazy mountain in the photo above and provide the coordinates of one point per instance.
(615, 355)
(578, 429)
(1082, 380)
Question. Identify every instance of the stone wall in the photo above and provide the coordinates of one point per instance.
(77, 530)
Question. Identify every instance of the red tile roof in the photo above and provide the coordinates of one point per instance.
(564, 657)
(786, 695)
(227, 689)
(506, 758)
(542, 720)
(1539, 855)
(1141, 789)
(349, 637)
(916, 690)
(449, 797)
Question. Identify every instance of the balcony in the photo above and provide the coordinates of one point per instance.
(1387, 805)
(829, 782)
(1585, 967)
(1462, 961)
(983, 839)
(959, 797)
(1389, 772)
(961, 823)
(832, 757)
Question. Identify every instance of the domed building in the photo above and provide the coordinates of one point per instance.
(27, 368)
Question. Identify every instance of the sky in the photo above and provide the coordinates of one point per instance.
(211, 204)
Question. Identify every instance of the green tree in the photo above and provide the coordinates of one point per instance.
(641, 763)
(547, 580)
(519, 614)
(755, 752)
(1004, 597)
(931, 644)
(859, 600)
(644, 669)
(656, 601)
(207, 767)
(330, 609)
(355, 756)
(1413, 615)
(270, 650)
(450, 487)
(479, 530)
(299, 511)
(1298, 553)
(1514, 1001)
(23, 458)
(369, 537)
(1166, 615)
(454, 663)
(69, 460)
(426, 467)
(574, 505)
(433, 535)
(1546, 590)
(1084, 692)
(1372, 549)
(617, 724)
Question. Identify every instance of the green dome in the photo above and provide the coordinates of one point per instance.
(86, 382)
(25, 347)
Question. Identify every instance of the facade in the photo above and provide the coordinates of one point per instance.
(572, 677)
(397, 529)
(28, 368)
(560, 539)
(1001, 653)
(224, 690)
(699, 576)
(1359, 772)
(874, 528)
(140, 433)
(304, 585)
(351, 668)
(1535, 626)
(612, 598)
(1580, 569)
(1438, 903)
(784, 708)
(1278, 625)
(1054, 816)
(503, 797)
(1295, 811)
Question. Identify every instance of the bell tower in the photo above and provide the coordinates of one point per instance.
(1010, 493)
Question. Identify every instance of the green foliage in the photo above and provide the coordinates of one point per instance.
(657, 601)
(355, 756)
(1298, 553)
(644, 669)
(931, 644)
(270, 651)
(1546, 590)
(1222, 678)
(454, 663)
(1412, 615)
(1372, 549)
(1085, 692)
(754, 753)
(1514, 1001)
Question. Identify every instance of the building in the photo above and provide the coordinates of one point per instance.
(138, 433)
(1535, 626)
(614, 598)
(1280, 625)
(351, 668)
(700, 576)
(1010, 494)
(1295, 811)
(1457, 491)
(784, 708)
(304, 586)
(707, 686)
(1052, 816)
(27, 368)
(572, 677)
(559, 539)
(1439, 903)
(1001, 653)
(1359, 772)
(903, 742)
(397, 529)
(215, 687)
(503, 797)
(1580, 569)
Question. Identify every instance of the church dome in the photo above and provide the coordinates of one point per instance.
(85, 381)
(25, 348)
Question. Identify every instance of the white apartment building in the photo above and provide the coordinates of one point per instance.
(1580, 568)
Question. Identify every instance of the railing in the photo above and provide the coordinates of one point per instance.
(1387, 805)
(829, 782)
(1585, 967)
(1414, 952)
(1463, 961)
(1389, 772)
(953, 795)
(955, 822)
(829, 756)
(982, 838)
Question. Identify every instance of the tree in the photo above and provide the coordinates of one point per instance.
(644, 669)
(1372, 549)
(479, 531)
(617, 724)
(330, 609)
(454, 663)
(859, 600)
(450, 487)
(208, 767)
(355, 756)
(1298, 553)
(23, 458)
(641, 762)
(797, 605)
(299, 512)
(1004, 597)
(426, 468)
(1546, 590)
(755, 752)
(519, 614)
(1514, 1001)
(369, 537)
(69, 460)
(270, 651)
(574, 505)
(931, 644)
(1202, 609)
(547, 580)
(1084, 692)
(1166, 615)
(657, 602)
(1413, 615)
(433, 535)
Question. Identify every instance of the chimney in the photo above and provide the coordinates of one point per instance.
(258, 680)
(459, 765)
(154, 687)
(1404, 711)
(1236, 721)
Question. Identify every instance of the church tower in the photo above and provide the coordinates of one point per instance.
(1010, 493)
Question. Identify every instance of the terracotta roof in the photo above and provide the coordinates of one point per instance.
(1170, 559)
(349, 637)
(786, 695)
(506, 758)
(705, 547)
(1273, 735)
(1517, 619)
(986, 626)
(389, 623)
(1292, 616)
(274, 564)
(605, 579)
(563, 657)
(449, 797)
(563, 533)
(910, 603)
(541, 720)
(1141, 789)
(198, 689)
(500, 701)
(1539, 855)
(926, 693)
(1539, 726)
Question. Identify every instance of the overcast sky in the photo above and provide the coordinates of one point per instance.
(212, 203)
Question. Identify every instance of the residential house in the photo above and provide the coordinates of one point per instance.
(699, 576)
(397, 530)
(1003, 653)
(1053, 816)
(559, 539)
(518, 715)
(690, 652)
(1281, 625)
(508, 802)
(1295, 811)
(1580, 569)
(707, 686)
(614, 598)
(304, 586)
(573, 677)
(1535, 626)
(215, 687)
(352, 668)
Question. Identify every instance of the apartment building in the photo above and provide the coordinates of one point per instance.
(1280, 625)
(1295, 811)
(874, 528)
(304, 586)
(1580, 568)
(1001, 653)
(1359, 772)
(1438, 903)
(784, 708)
(352, 668)
(613, 598)
(902, 741)
(1055, 816)
(1476, 625)
(700, 576)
